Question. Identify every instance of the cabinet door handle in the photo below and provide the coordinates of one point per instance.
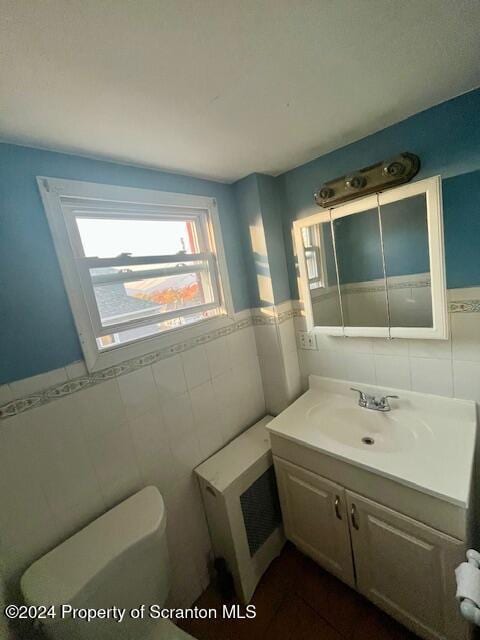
(353, 513)
(337, 509)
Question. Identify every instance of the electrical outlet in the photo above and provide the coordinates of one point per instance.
(307, 340)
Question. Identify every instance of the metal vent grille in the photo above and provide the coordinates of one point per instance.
(261, 510)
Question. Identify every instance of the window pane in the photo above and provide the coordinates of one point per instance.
(313, 247)
(109, 238)
(131, 298)
(323, 287)
(313, 271)
(130, 335)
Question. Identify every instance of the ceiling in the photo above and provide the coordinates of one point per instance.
(223, 88)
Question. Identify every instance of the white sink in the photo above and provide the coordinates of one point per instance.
(375, 431)
(425, 441)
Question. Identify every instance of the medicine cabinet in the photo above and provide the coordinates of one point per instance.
(376, 266)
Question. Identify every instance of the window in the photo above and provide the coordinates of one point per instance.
(136, 263)
(312, 241)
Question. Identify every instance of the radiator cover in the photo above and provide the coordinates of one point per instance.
(241, 502)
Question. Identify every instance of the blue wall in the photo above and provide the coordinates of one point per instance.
(249, 208)
(260, 206)
(405, 239)
(37, 333)
(461, 206)
(272, 202)
(447, 139)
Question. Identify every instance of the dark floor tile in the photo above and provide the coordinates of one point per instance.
(340, 605)
(295, 620)
(267, 599)
(374, 623)
(297, 600)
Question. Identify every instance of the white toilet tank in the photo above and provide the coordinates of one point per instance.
(120, 559)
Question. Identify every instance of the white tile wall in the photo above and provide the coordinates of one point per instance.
(170, 377)
(444, 367)
(324, 362)
(271, 367)
(139, 392)
(178, 416)
(292, 372)
(286, 332)
(218, 356)
(394, 371)
(277, 349)
(266, 337)
(392, 347)
(360, 367)
(437, 349)
(195, 366)
(100, 409)
(466, 336)
(115, 464)
(66, 462)
(430, 375)
(242, 347)
(466, 380)
(207, 416)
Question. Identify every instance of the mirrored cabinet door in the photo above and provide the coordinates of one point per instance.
(407, 262)
(360, 269)
(375, 266)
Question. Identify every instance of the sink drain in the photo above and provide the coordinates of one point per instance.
(368, 440)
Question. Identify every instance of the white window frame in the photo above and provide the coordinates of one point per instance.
(318, 252)
(66, 200)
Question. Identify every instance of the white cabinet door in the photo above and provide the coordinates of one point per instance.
(406, 568)
(315, 518)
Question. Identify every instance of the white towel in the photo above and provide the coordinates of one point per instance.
(468, 582)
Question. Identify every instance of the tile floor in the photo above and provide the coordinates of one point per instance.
(297, 600)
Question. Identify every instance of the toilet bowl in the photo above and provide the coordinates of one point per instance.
(119, 560)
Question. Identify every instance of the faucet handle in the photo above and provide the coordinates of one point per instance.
(383, 404)
(362, 393)
(363, 398)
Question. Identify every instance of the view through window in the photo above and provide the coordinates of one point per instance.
(147, 275)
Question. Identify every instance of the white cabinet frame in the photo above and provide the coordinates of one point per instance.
(432, 189)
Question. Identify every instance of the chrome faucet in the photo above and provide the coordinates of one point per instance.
(367, 401)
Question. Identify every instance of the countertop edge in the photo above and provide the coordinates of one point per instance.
(411, 485)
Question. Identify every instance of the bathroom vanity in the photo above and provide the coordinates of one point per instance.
(381, 499)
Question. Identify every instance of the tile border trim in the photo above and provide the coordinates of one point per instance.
(259, 316)
(367, 287)
(464, 306)
(274, 317)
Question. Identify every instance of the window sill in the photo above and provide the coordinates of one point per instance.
(174, 339)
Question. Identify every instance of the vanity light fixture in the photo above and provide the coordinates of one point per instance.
(374, 178)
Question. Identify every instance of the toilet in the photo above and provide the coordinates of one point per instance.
(120, 559)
